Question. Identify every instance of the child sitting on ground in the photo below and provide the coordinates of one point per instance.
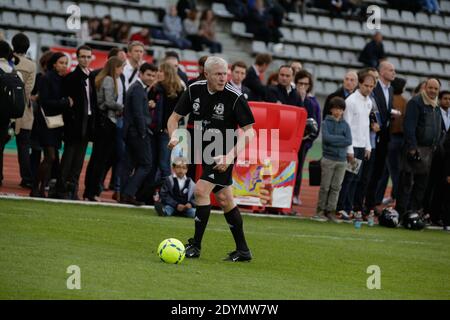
(177, 192)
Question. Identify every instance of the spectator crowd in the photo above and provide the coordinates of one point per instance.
(370, 132)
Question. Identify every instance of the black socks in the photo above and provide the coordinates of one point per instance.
(234, 220)
(201, 220)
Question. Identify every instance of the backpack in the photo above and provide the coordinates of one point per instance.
(12, 95)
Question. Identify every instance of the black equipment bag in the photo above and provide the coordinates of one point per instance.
(12, 95)
(315, 172)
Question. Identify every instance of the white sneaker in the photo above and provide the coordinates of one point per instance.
(344, 215)
(296, 201)
(387, 201)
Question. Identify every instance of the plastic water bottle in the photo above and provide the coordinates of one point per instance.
(266, 177)
(371, 219)
(358, 220)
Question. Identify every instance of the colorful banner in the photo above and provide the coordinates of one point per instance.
(248, 182)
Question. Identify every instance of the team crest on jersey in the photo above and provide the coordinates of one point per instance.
(218, 111)
(219, 108)
(196, 106)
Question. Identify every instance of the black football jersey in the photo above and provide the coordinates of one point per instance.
(215, 112)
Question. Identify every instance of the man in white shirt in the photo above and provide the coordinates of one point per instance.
(253, 77)
(78, 123)
(238, 73)
(135, 59)
(357, 115)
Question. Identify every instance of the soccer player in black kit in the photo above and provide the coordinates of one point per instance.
(215, 107)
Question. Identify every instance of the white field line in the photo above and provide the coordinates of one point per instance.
(118, 205)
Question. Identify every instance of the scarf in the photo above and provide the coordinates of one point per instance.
(428, 101)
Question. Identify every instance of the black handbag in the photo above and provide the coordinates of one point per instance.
(315, 173)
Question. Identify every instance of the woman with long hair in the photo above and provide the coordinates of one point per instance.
(36, 150)
(106, 83)
(52, 102)
(162, 100)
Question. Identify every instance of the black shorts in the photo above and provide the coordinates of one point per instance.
(220, 179)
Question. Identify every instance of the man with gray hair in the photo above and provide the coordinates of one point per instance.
(348, 86)
(215, 107)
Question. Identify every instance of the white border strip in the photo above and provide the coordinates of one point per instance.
(7, 196)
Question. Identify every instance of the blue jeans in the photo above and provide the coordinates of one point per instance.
(347, 194)
(161, 156)
(164, 154)
(180, 42)
(431, 6)
(170, 211)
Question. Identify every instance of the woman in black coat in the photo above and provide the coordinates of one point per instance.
(162, 100)
(51, 103)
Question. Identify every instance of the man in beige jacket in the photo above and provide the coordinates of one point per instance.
(27, 68)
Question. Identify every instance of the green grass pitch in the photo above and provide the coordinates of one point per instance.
(115, 249)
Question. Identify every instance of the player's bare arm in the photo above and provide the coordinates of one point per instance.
(172, 126)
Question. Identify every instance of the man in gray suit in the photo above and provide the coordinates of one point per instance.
(136, 133)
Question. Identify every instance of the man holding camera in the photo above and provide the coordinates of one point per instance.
(422, 133)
